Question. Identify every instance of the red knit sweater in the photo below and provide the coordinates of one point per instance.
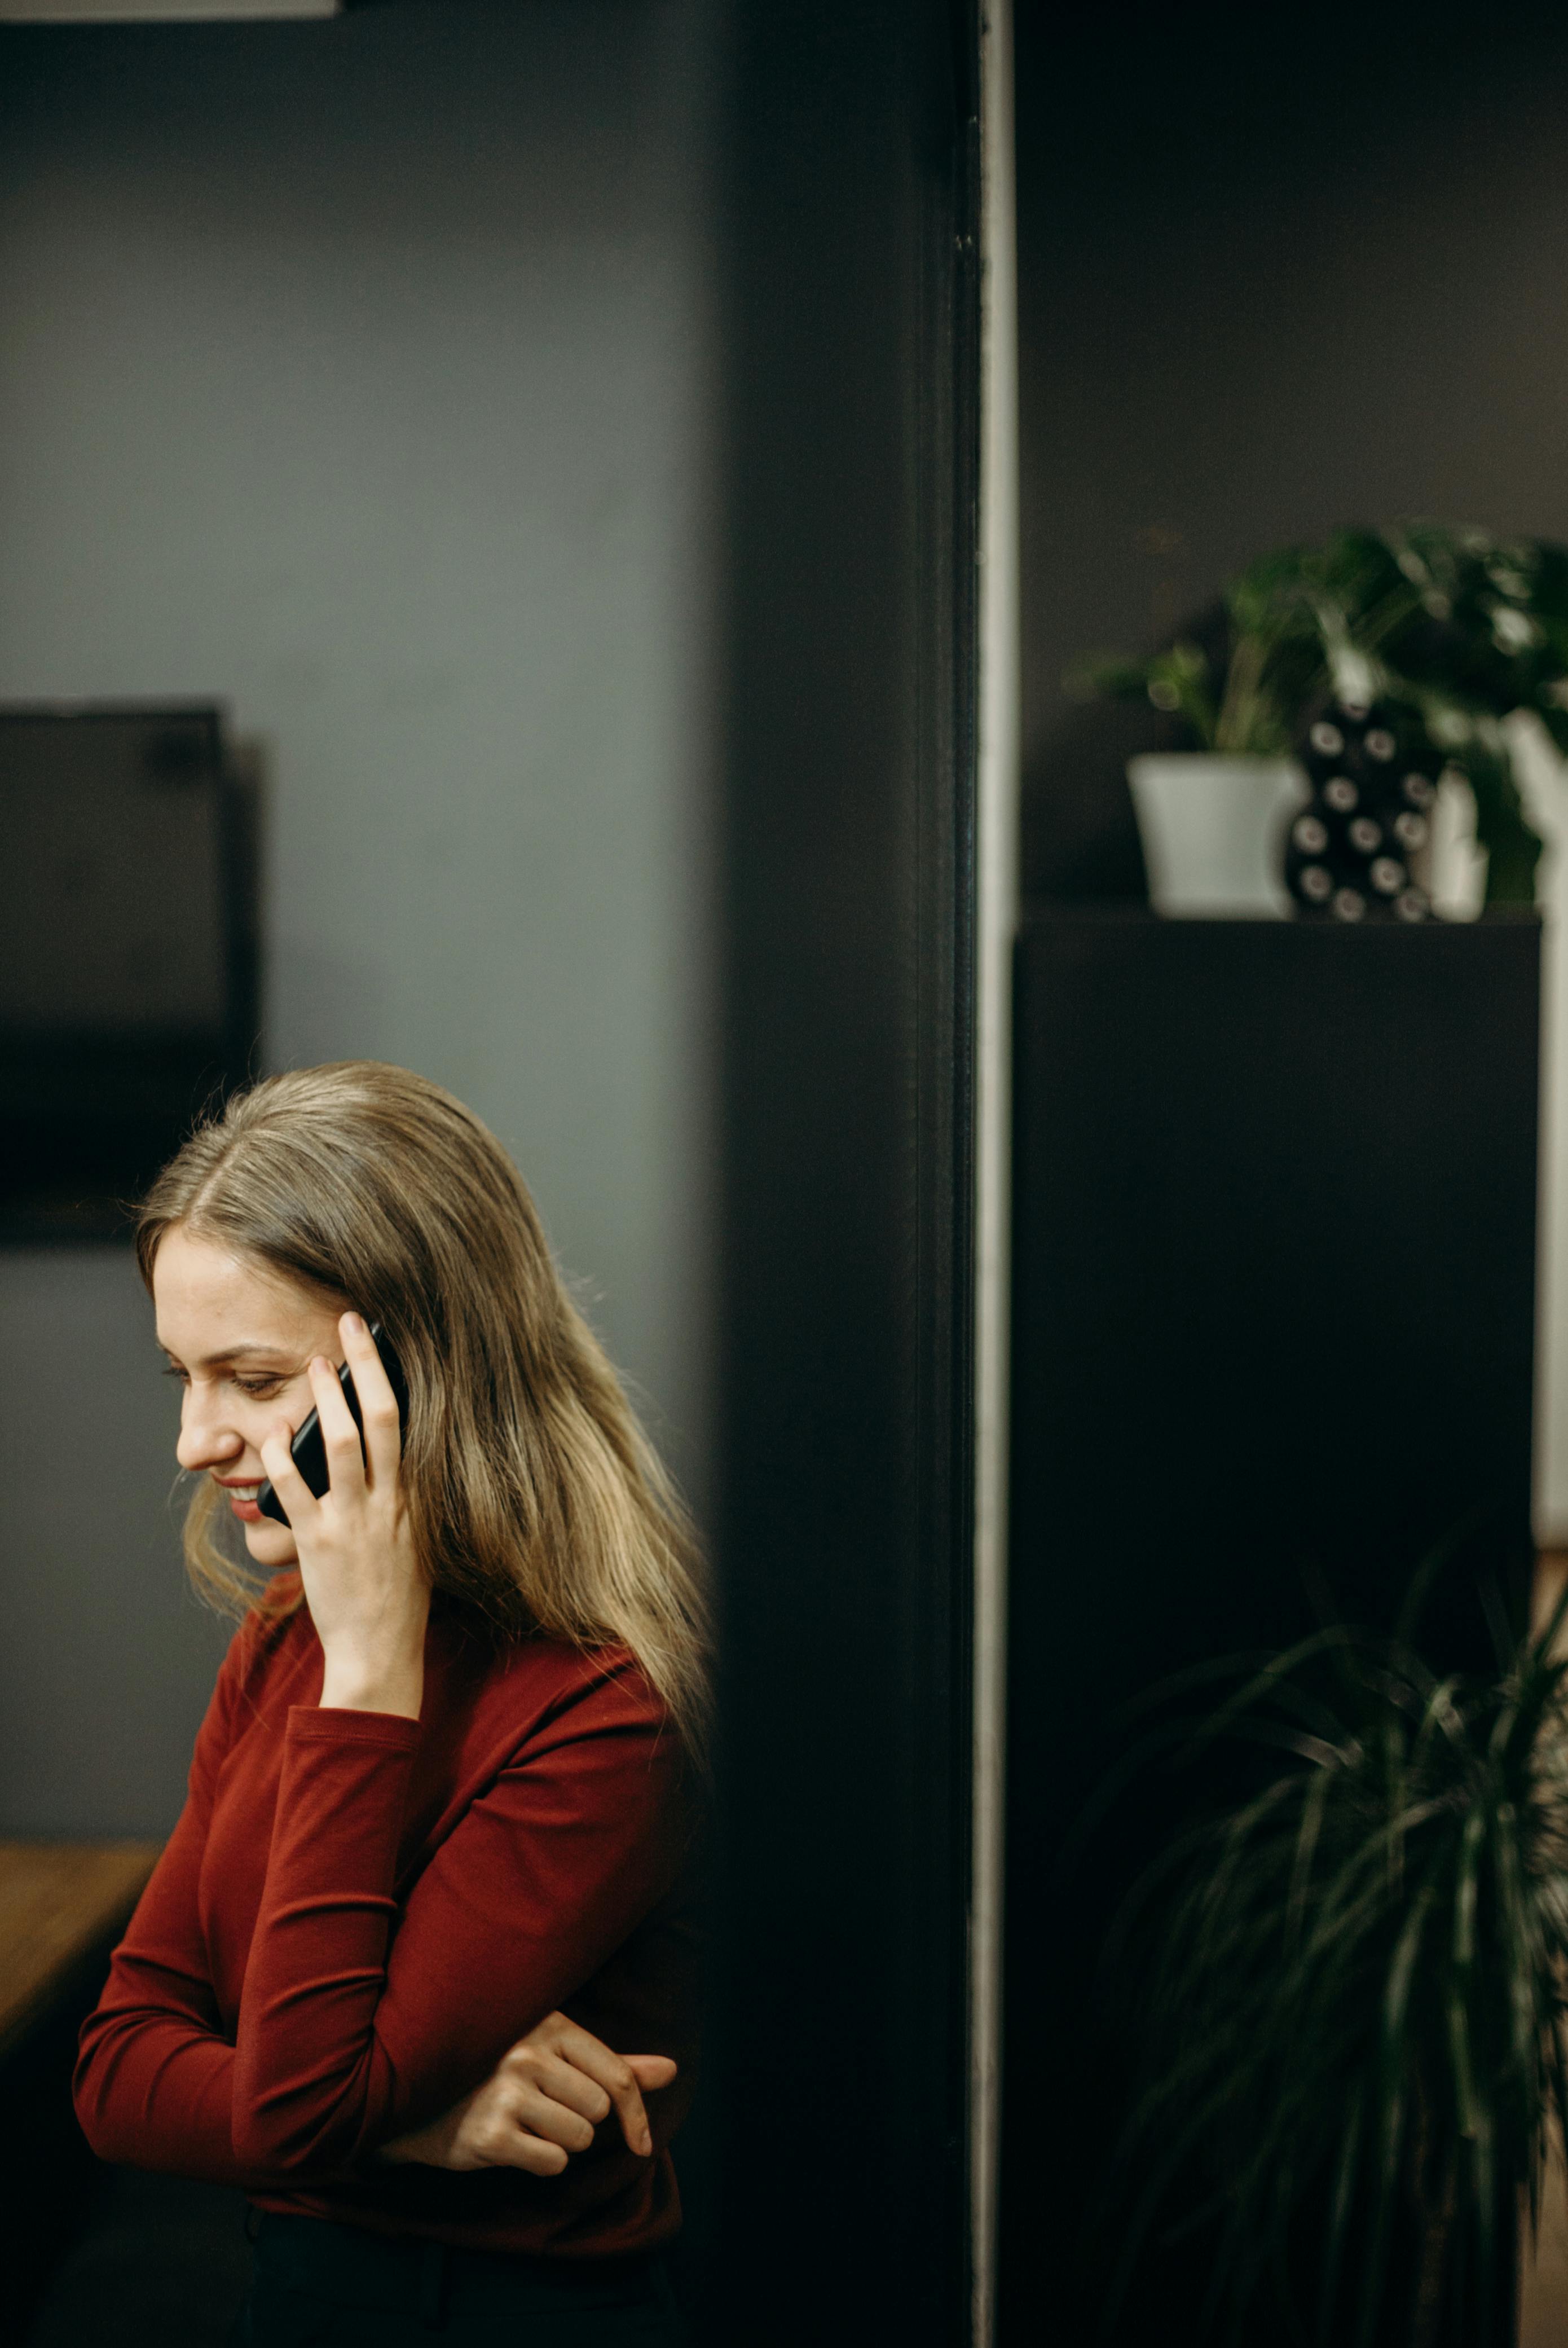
(357, 1914)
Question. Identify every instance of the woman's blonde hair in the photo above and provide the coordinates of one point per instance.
(534, 1494)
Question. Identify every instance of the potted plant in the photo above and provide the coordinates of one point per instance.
(1448, 631)
(1348, 1989)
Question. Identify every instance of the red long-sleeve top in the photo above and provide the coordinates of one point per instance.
(358, 1914)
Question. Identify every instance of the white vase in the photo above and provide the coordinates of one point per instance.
(1214, 830)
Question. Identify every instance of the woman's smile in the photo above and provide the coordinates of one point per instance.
(242, 1498)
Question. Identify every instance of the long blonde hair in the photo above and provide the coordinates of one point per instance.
(534, 1494)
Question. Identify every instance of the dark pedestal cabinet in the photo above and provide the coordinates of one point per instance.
(1274, 1238)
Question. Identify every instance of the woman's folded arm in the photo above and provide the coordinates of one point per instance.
(356, 2022)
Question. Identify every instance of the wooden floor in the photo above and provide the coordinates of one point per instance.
(1543, 2314)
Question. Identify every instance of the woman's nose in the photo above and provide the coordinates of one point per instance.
(204, 1440)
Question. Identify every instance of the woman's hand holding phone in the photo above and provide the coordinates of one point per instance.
(367, 1595)
(540, 2105)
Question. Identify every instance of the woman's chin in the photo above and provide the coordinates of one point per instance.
(270, 1544)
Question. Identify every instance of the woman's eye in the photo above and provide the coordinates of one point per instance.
(183, 1375)
(260, 1387)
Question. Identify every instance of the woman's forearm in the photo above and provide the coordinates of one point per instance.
(310, 2084)
(368, 2008)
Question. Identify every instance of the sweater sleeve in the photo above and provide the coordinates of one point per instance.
(362, 2017)
(154, 2083)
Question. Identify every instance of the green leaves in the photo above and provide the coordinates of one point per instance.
(1350, 1987)
(1454, 630)
(1176, 681)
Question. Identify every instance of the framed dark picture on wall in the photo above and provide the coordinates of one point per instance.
(127, 953)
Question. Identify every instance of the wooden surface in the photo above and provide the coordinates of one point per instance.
(57, 1901)
(1551, 1574)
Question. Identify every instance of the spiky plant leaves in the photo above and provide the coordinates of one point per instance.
(1347, 1987)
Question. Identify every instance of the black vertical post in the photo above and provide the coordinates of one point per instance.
(838, 2012)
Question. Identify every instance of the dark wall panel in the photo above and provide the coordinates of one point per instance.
(1275, 1248)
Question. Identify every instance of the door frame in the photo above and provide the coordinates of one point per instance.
(863, 1143)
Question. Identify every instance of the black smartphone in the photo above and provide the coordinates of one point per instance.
(309, 1452)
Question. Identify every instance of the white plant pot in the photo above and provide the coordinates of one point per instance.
(1214, 830)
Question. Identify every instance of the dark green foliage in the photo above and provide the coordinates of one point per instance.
(1448, 627)
(1347, 1988)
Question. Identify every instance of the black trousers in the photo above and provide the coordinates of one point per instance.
(319, 2285)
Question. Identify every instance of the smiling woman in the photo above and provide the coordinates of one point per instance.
(433, 1877)
(268, 1337)
(366, 1584)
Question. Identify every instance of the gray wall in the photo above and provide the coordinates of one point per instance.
(357, 374)
(1277, 275)
(1272, 281)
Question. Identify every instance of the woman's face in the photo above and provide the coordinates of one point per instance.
(240, 1339)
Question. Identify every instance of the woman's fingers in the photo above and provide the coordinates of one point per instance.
(377, 1403)
(340, 1435)
(563, 2083)
(614, 2075)
(651, 2072)
(540, 2106)
(560, 2081)
(538, 2113)
(520, 2150)
(298, 1501)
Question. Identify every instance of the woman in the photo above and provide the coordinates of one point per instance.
(432, 1867)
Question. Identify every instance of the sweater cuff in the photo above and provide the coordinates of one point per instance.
(324, 1725)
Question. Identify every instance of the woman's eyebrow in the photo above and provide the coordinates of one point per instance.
(246, 1351)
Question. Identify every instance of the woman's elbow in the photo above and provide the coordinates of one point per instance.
(108, 2137)
(107, 2120)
